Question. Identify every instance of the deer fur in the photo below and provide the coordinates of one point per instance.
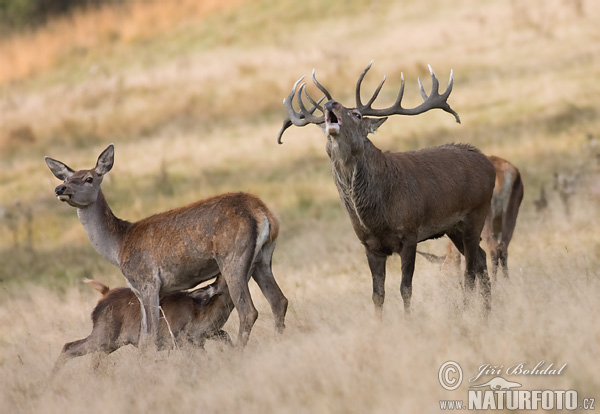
(502, 218)
(398, 199)
(500, 222)
(230, 234)
(190, 317)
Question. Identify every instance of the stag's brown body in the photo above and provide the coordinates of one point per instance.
(500, 222)
(189, 317)
(396, 200)
(230, 234)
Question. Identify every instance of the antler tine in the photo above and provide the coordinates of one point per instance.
(286, 124)
(359, 104)
(305, 116)
(300, 102)
(359, 82)
(431, 101)
(435, 84)
(376, 93)
(401, 92)
(316, 105)
(321, 87)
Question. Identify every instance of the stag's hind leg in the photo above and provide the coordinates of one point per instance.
(263, 275)
(475, 262)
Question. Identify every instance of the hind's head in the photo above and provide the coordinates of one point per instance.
(81, 188)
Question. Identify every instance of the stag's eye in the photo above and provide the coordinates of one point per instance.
(89, 180)
(357, 115)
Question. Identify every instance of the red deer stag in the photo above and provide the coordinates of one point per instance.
(396, 200)
(189, 317)
(230, 234)
(500, 222)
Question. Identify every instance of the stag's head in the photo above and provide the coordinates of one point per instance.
(81, 188)
(350, 126)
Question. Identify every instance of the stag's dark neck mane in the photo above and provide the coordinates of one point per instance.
(359, 181)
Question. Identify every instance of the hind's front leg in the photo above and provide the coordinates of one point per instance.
(147, 292)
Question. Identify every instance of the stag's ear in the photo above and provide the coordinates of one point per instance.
(59, 169)
(105, 160)
(374, 123)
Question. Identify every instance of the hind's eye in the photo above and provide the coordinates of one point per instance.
(89, 180)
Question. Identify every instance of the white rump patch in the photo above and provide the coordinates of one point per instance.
(263, 235)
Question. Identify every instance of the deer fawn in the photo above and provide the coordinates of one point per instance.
(396, 200)
(230, 234)
(188, 316)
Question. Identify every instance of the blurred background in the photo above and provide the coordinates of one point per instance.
(190, 92)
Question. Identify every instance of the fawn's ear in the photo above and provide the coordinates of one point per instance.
(105, 160)
(59, 169)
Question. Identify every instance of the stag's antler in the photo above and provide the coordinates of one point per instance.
(434, 100)
(305, 116)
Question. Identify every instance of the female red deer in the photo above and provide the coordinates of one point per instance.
(502, 218)
(230, 234)
(396, 200)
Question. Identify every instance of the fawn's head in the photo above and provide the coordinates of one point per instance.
(80, 188)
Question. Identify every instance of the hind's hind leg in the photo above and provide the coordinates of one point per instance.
(263, 275)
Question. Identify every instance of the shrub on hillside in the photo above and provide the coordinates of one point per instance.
(21, 14)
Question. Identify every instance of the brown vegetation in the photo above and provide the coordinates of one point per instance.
(195, 112)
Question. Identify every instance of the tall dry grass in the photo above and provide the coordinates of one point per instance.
(333, 357)
(190, 119)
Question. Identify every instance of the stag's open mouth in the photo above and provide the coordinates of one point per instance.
(332, 124)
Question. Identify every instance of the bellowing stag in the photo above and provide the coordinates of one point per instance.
(396, 200)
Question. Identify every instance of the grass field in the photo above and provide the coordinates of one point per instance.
(191, 98)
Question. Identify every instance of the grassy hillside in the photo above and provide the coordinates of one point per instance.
(191, 97)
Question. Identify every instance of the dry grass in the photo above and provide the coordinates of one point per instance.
(108, 26)
(194, 109)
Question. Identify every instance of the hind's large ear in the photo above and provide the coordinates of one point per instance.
(59, 169)
(105, 160)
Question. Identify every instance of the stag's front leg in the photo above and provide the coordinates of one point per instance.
(377, 266)
(408, 255)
